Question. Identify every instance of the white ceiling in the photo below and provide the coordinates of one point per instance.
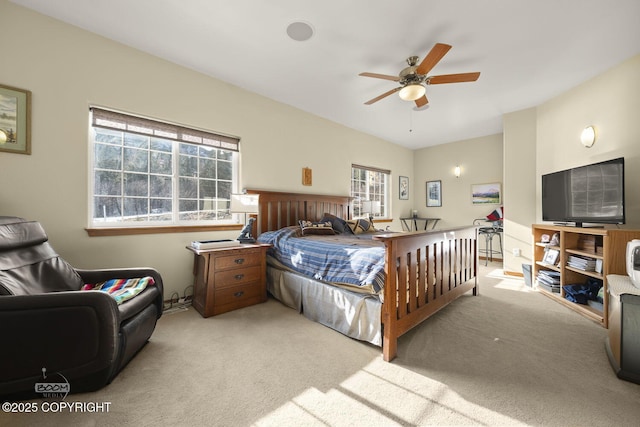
(527, 51)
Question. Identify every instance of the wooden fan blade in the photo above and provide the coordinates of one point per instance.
(433, 57)
(380, 76)
(454, 78)
(421, 102)
(384, 95)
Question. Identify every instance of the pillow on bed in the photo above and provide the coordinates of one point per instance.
(314, 228)
(339, 225)
(361, 225)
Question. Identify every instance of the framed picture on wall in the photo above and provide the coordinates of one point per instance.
(486, 194)
(434, 193)
(403, 188)
(14, 121)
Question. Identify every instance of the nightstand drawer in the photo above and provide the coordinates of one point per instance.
(237, 297)
(238, 276)
(241, 259)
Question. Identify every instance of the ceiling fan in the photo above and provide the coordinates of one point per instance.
(414, 78)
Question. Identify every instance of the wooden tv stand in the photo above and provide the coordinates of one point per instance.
(609, 250)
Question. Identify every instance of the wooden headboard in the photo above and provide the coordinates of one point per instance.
(279, 209)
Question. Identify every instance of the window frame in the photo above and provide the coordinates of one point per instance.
(177, 135)
(385, 201)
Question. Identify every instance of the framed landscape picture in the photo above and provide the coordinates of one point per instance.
(434, 193)
(485, 194)
(15, 112)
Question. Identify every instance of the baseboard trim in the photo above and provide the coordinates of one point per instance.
(512, 273)
(490, 259)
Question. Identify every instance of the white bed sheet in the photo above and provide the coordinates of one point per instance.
(353, 314)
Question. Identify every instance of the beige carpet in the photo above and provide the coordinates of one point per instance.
(507, 357)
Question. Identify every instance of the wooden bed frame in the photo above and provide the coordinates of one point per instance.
(425, 271)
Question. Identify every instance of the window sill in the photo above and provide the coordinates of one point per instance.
(130, 231)
(382, 220)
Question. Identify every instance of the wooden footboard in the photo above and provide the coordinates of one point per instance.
(425, 272)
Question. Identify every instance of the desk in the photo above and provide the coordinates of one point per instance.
(411, 223)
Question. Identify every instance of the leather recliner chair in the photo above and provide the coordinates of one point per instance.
(51, 330)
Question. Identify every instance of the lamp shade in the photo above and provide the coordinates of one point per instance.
(371, 207)
(244, 203)
(412, 92)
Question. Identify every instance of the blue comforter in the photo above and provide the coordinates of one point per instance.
(341, 259)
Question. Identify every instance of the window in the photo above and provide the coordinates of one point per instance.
(370, 184)
(146, 172)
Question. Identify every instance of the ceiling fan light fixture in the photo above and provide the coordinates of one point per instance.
(412, 92)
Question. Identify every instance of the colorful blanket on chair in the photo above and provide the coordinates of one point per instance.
(121, 289)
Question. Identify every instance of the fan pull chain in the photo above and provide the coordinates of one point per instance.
(410, 121)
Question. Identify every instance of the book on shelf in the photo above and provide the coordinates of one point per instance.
(212, 244)
(598, 266)
(579, 258)
(551, 273)
(550, 288)
(581, 263)
(549, 277)
(582, 267)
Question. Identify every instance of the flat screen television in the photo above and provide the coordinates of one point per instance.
(587, 194)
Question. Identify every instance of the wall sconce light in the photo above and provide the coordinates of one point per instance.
(588, 136)
(456, 171)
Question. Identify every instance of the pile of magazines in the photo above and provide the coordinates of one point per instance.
(549, 280)
(582, 263)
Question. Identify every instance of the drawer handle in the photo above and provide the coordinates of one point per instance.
(238, 276)
(238, 294)
(239, 260)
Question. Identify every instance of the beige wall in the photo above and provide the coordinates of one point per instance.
(538, 141)
(480, 161)
(520, 187)
(68, 69)
(611, 102)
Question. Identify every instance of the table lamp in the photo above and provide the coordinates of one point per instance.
(247, 204)
(372, 207)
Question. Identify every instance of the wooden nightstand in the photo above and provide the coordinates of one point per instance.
(229, 278)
